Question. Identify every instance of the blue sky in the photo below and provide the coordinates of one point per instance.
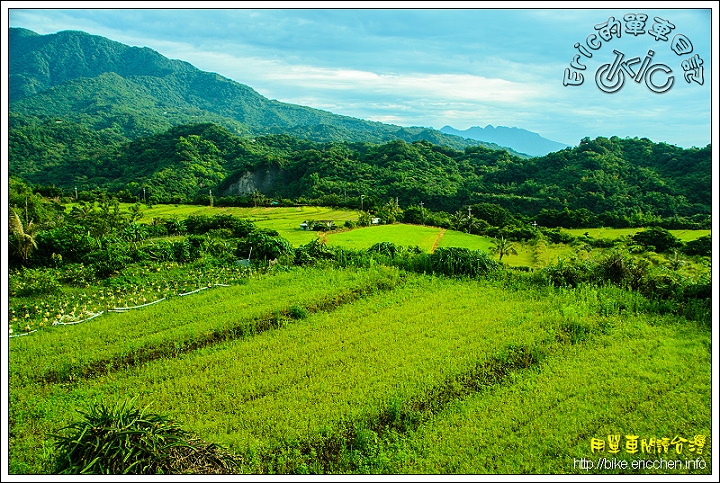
(459, 66)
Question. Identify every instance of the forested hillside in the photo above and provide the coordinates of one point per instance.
(616, 178)
(101, 84)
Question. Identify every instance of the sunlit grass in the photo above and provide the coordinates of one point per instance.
(612, 233)
(399, 234)
(606, 367)
(285, 220)
(177, 322)
(611, 384)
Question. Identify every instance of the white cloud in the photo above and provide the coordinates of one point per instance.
(274, 75)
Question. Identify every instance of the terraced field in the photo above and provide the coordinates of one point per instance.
(319, 370)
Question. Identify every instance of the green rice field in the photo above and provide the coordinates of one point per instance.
(374, 370)
(379, 371)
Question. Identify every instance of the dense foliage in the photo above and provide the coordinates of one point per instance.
(95, 243)
(602, 182)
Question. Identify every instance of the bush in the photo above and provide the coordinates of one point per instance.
(264, 247)
(71, 242)
(621, 270)
(125, 440)
(455, 261)
(312, 252)
(385, 248)
(112, 257)
(568, 274)
(298, 312)
(201, 224)
(702, 246)
(31, 282)
(656, 239)
(181, 251)
(555, 235)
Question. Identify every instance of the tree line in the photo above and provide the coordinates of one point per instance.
(603, 182)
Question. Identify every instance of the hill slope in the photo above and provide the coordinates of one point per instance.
(619, 176)
(100, 83)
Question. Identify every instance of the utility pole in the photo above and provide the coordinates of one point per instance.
(362, 206)
(76, 193)
(211, 200)
(144, 201)
(422, 210)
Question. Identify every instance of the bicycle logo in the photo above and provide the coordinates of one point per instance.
(610, 78)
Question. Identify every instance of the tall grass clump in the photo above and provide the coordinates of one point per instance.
(669, 291)
(126, 440)
(463, 262)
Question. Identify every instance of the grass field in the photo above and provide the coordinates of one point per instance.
(683, 235)
(399, 234)
(375, 370)
(286, 220)
(379, 371)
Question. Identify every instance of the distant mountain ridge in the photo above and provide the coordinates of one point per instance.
(521, 140)
(136, 91)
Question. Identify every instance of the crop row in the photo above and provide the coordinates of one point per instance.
(647, 380)
(282, 389)
(167, 329)
(134, 286)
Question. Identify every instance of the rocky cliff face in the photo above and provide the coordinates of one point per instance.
(261, 180)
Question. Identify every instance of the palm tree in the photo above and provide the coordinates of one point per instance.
(22, 238)
(458, 219)
(503, 247)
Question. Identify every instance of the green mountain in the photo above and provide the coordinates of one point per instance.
(102, 84)
(89, 113)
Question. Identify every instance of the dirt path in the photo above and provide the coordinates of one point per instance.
(437, 240)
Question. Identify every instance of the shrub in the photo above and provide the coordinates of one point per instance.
(656, 239)
(126, 440)
(555, 235)
(201, 224)
(298, 312)
(621, 269)
(30, 282)
(385, 248)
(181, 251)
(662, 283)
(264, 247)
(112, 257)
(455, 261)
(701, 246)
(568, 274)
(312, 252)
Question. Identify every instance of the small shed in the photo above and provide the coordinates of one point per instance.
(304, 226)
